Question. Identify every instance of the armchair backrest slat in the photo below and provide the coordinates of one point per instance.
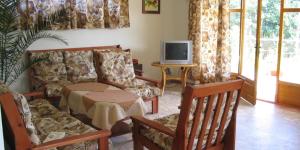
(206, 113)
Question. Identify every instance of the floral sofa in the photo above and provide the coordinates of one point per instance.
(61, 68)
(108, 64)
(37, 124)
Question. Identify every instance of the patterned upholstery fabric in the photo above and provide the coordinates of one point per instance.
(51, 72)
(52, 124)
(97, 62)
(143, 89)
(51, 69)
(116, 67)
(80, 66)
(54, 89)
(24, 109)
(165, 142)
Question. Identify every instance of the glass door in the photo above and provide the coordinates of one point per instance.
(289, 53)
(248, 43)
(267, 69)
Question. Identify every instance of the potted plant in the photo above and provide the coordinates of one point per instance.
(14, 41)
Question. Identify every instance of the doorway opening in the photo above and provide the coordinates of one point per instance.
(268, 53)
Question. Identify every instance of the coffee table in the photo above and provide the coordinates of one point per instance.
(103, 104)
(165, 77)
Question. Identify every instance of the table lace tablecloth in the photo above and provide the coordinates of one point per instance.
(102, 103)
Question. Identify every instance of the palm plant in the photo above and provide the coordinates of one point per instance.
(14, 41)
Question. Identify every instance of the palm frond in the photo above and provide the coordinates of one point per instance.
(28, 37)
(15, 41)
(21, 67)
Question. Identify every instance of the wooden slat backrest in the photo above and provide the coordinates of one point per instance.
(77, 49)
(22, 140)
(210, 99)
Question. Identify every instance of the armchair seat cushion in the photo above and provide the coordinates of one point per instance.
(143, 89)
(165, 141)
(162, 140)
(54, 89)
(52, 124)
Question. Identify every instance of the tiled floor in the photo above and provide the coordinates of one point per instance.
(261, 127)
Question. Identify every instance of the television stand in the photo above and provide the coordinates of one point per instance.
(165, 77)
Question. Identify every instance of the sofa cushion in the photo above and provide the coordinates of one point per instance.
(25, 112)
(80, 66)
(52, 124)
(97, 63)
(116, 67)
(54, 89)
(51, 69)
(143, 89)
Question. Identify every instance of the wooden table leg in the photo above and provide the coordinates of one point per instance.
(184, 77)
(163, 80)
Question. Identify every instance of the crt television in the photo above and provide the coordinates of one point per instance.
(176, 52)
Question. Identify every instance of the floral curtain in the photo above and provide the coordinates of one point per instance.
(74, 14)
(209, 31)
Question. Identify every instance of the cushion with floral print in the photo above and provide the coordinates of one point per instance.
(80, 66)
(53, 124)
(116, 67)
(49, 67)
(143, 88)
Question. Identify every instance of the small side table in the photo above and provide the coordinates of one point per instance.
(184, 71)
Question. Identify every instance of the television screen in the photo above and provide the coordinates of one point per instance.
(176, 51)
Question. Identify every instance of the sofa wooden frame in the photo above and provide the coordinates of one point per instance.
(154, 100)
(22, 140)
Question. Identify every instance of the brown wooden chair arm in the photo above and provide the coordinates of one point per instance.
(152, 124)
(155, 82)
(35, 94)
(101, 135)
(114, 84)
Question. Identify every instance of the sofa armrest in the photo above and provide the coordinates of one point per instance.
(141, 121)
(155, 82)
(102, 137)
(114, 84)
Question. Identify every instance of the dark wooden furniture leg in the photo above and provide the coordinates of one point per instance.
(155, 105)
(103, 143)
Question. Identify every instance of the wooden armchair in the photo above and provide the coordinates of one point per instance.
(116, 68)
(207, 120)
(21, 139)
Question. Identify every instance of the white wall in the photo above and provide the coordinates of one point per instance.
(143, 37)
